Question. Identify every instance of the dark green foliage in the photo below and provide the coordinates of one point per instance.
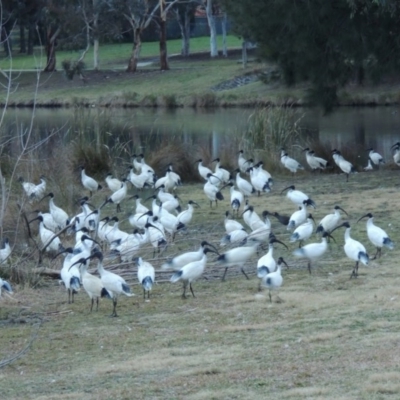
(328, 43)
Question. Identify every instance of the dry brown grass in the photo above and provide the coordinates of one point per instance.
(329, 338)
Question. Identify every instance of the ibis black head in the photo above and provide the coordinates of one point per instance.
(265, 213)
(216, 160)
(273, 239)
(291, 187)
(69, 250)
(368, 215)
(97, 254)
(396, 145)
(86, 237)
(306, 149)
(38, 218)
(191, 202)
(198, 161)
(345, 224)
(327, 234)
(310, 216)
(249, 208)
(240, 152)
(208, 250)
(81, 261)
(340, 208)
(282, 261)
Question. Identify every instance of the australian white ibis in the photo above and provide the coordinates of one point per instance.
(89, 183)
(315, 162)
(378, 237)
(330, 221)
(298, 197)
(289, 163)
(344, 165)
(146, 276)
(303, 231)
(274, 280)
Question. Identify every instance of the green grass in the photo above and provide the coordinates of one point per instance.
(111, 55)
(330, 337)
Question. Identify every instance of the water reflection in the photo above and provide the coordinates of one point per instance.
(212, 129)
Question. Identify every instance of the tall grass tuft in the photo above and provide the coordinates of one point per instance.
(268, 130)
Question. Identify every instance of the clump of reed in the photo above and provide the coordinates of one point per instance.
(269, 130)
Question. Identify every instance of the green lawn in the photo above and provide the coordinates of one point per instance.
(110, 55)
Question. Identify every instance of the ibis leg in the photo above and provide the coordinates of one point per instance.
(184, 290)
(91, 304)
(244, 273)
(114, 313)
(223, 276)
(355, 271)
(97, 303)
(270, 297)
(309, 267)
(191, 289)
(69, 296)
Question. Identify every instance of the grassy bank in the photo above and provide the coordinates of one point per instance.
(329, 337)
(194, 82)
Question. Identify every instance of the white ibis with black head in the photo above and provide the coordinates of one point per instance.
(378, 237)
(32, 191)
(313, 251)
(113, 184)
(88, 182)
(91, 283)
(191, 271)
(330, 221)
(6, 286)
(258, 181)
(212, 191)
(353, 249)
(396, 153)
(237, 198)
(303, 231)
(245, 187)
(315, 162)
(274, 280)
(299, 216)
(114, 283)
(5, 251)
(375, 157)
(346, 166)
(59, 215)
(298, 197)
(146, 276)
(267, 264)
(289, 163)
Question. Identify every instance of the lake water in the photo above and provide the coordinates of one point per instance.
(376, 127)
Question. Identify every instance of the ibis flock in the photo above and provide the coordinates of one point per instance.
(157, 220)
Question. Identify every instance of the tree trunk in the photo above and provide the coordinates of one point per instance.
(137, 45)
(224, 45)
(213, 29)
(184, 25)
(31, 33)
(95, 37)
(51, 49)
(244, 53)
(22, 41)
(163, 39)
(6, 39)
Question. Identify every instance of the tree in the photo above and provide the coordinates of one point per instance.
(211, 12)
(325, 43)
(184, 12)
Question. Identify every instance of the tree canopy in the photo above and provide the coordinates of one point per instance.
(327, 43)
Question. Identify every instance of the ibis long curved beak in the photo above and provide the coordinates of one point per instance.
(34, 219)
(287, 188)
(275, 240)
(80, 261)
(67, 250)
(47, 195)
(364, 216)
(339, 226)
(283, 262)
(340, 208)
(209, 244)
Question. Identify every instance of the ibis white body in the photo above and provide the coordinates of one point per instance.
(234, 237)
(113, 184)
(181, 260)
(330, 221)
(4, 285)
(273, 280)
(32, 191)
(236, 197)
(297, 218)
(252, 219)
(375, 157)
(221, 173)
(71, 277)
(303, 231)
(315, 162)
(289, 163)
(145, 178)
(355, 251)
(115, 284)
(5, 251)
(343, 164)
(244, 186)
(89, 183)
(146, 276)
(396, 154)
(46, 235)
(59, 215)
(48, 221)
(312, 251)
(266, 264)
(242, 162)
(231, 224)
(259, 182)
(298, 197)
(237, 256)
(212, 192)
(186, 216)
(369, 167)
